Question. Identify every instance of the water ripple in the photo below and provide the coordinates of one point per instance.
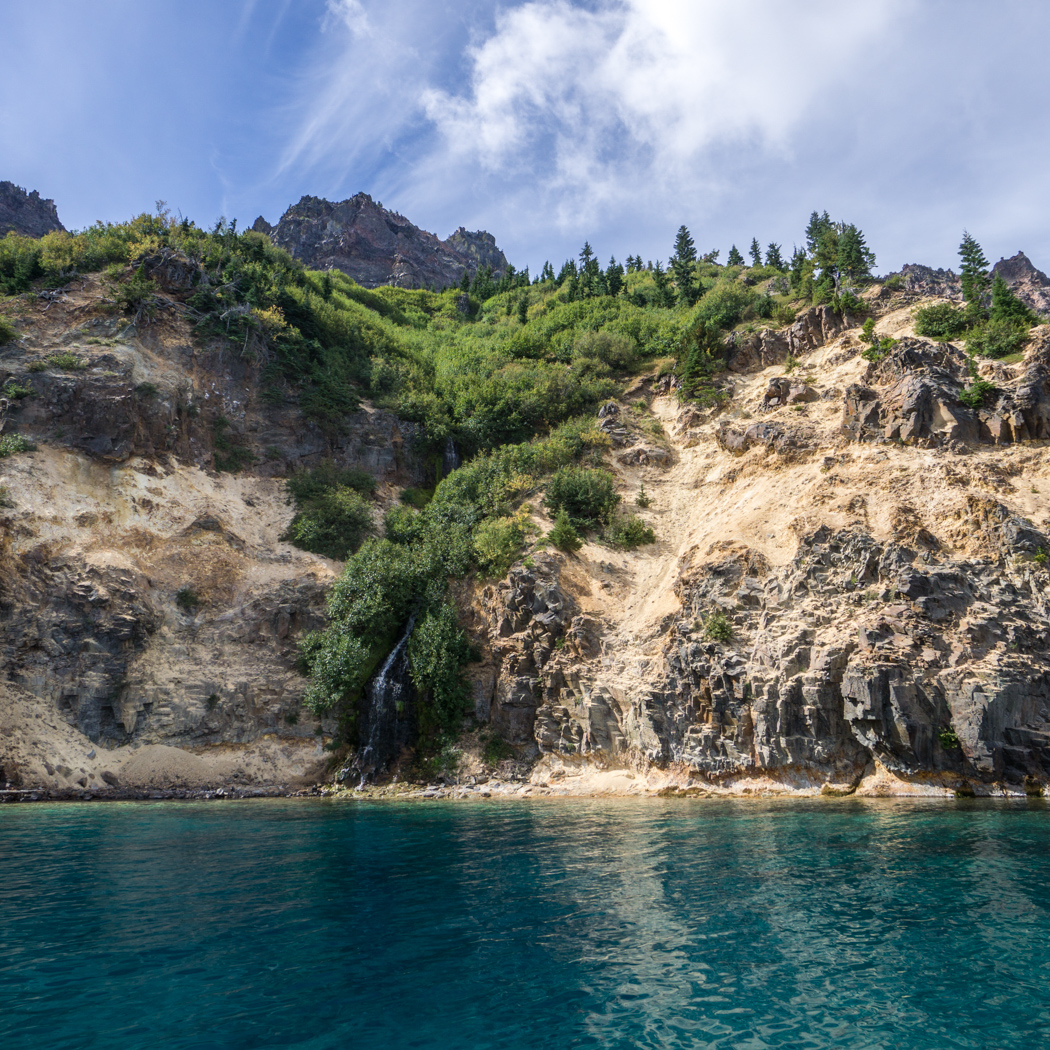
(802, 925)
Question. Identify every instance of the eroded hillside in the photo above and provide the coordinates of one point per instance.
(604, 533)
(868, 557)
(149, 607)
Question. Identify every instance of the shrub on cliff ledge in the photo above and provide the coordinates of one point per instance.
(563, 535)
(628, 531)
(940, 321)
(587, 496)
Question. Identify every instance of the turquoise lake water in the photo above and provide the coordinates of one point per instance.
(678, 923)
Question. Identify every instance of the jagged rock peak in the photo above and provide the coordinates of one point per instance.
(376, 246)
(26, 213)
(1030, 285)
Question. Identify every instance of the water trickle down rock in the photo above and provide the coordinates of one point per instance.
(387, 725)
(450, 459)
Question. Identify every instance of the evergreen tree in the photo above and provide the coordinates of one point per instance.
(711, 256)
(826, 256)
(734, 258)
(663, 292)
(755, 252)
(682, 267)
(547, 273)
(798, 263)
(567, 271)
(818, 226)
(854, 259)
(464, 284)
(564, 535)
(614, 277)
(586, 255)
(1005, 304)
(773, 257)
(523, 308)
(974, 271)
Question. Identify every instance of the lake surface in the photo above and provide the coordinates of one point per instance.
(648, 923)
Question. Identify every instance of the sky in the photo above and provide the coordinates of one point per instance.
(547, 122)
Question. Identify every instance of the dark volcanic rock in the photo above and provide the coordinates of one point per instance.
(1030, 285)
(376, 247)
(26, 213)
(924, 280)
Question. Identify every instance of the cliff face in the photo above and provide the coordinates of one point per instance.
(376, 247)
(1029, 284)
(849, 591)
(26, 213)
(104, 668)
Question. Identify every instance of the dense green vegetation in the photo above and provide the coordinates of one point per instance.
(993, 321)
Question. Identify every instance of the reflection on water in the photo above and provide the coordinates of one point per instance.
(677, 923)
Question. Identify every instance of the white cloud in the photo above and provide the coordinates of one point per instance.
(599, 104)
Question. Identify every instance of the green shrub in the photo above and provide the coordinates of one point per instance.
(616, 350)
(949, 738)
(718, 627)
(977, 393)
(997, 338)
(305, 486)
(498, 542)
(941, 321)
(186, 599)
(10, 444)
(6, 502)
(643, 499)
(437, 651)
(403, 525)
(8, 332)
(628, 530)
(67, 361)
(588, 496)
(14, 392)
(894, 282)
(868, 331)
(333, 523)
(564, 536)
(417, 498)
(494, 749)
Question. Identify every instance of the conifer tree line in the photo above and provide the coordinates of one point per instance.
(834, 260)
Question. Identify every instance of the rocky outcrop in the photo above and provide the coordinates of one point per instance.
(26, 213)
(813, 328)
(147, 602)
(918, 399)
(376, 247)
(1030, 285)
(855, 653)
(924, 280)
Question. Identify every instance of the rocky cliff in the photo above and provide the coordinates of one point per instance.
(26, 213)
(375, 246)
(849, 591)
(1029, 284)
(149, 611)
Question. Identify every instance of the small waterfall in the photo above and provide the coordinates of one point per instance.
(450, 460)
(388, 723)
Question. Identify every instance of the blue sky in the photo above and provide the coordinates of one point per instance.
(546, 122)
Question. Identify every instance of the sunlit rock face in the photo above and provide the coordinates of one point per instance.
(377, 247)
